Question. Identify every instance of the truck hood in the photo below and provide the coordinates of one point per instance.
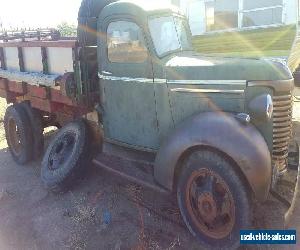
(191, 66)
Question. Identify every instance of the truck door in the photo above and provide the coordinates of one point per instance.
(127, 84)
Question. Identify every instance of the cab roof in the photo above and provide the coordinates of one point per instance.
(92, 8)
(154, 5)
(140, 9)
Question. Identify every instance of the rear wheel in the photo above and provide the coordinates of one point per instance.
(18, 134)
(37, 129)
(214, 200)
(67, 157)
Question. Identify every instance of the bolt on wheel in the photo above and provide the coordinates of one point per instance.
(18, 133)
(210, 203)
(214, 200)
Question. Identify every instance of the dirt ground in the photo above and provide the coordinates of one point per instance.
(101, 212)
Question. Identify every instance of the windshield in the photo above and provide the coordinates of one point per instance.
(169, 33)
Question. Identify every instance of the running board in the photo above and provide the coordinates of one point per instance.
(136, 172)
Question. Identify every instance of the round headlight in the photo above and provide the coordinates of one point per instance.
(261, 107)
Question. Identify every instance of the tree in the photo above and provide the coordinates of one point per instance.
(67, 29)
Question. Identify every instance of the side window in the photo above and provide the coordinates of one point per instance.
(125, 42)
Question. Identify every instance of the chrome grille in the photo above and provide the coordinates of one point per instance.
(282, 128)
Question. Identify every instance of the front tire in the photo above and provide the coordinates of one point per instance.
(214, 200)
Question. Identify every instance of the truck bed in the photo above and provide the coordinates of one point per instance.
(47, 73)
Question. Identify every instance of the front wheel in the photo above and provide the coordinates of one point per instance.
(214, 200)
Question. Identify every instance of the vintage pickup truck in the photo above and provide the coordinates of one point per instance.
(214, 131)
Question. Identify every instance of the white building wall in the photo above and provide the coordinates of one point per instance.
(195, 11)
(290, 10)
(196, 15)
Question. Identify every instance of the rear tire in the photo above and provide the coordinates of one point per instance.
(214, 200)
(18, 134)
(37, 130)
(67, 157)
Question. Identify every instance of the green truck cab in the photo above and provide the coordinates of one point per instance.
(214, 131)
(203, 118)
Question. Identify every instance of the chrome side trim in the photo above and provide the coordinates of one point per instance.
(278, 86)
(125, 79)
(109, 77)
(106, 72)
(158, 80)
(184, 90)
(208, 82)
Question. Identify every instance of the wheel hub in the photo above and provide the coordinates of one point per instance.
(61, 151)
(207, 207)
(210, 203)
(14, 135)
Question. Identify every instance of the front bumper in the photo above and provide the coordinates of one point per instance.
(292, 216)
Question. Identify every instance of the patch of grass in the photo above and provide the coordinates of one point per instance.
(3, 106)
(252, 54)
(255, 43)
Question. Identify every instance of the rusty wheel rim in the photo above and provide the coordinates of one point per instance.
(210, 204)
(14, 137)
(61, 151)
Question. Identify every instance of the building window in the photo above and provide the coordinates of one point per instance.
(222, 14)
(262, 17)
(210, 15)
(217, 15)
(263, 12)
(125, 43)
(250, 4)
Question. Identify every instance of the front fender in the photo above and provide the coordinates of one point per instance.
(243, 143)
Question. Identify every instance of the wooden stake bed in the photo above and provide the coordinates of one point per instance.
(47, 73)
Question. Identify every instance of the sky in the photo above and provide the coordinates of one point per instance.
(37, 13)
